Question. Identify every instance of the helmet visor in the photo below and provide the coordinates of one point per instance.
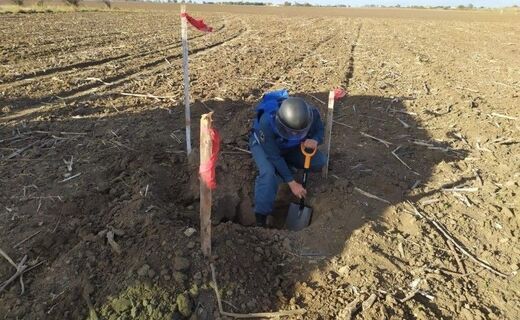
(292, 134)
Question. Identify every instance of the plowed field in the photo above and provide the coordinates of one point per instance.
(418, 219)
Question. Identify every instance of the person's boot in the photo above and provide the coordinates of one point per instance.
(261, 220)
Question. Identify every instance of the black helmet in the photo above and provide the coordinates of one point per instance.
(294, 118)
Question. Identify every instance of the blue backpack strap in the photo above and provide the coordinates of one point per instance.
(277, 95)
(269, 103)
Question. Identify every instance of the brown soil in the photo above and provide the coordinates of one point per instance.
(444, 89)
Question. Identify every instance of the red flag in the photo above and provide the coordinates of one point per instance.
(339, 93)
(199, 24)
(207, 170)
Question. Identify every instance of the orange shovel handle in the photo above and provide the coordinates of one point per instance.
(308, 156)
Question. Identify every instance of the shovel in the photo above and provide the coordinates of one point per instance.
(299, 215)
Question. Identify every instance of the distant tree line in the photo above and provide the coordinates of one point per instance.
(461, 7)
(469, 6)
(239, 3)
(249, 3)
(296, 4)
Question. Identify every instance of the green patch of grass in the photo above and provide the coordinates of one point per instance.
(147, 302)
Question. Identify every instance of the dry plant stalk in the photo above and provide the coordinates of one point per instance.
(26, 239)
(21, 268)
(369, 195)
(386, 143)
(405, 125)
(462, 267)
(456, 189)
(21, 150)
(352, 307)
(99, 80)
(241, 150)
(398, 158)
(148, 95)
(342, 124)
(71, 177)
(498, 115)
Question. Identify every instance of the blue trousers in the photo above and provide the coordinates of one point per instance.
(267, 181)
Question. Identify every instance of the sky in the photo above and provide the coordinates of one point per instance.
(359, 3)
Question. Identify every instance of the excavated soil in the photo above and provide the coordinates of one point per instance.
(97, 191)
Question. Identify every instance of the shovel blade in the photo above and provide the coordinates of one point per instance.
(298, 219)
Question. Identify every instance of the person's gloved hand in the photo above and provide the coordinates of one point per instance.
(297, 189)
(310, 144)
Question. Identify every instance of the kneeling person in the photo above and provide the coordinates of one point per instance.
(281, 124)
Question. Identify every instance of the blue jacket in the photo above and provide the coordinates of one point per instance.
(274, 145)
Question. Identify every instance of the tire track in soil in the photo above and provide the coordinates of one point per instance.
(56, 70)
(349, 74)
(303, 58)
(120, 79)
(41, 28)
(86, 64)
(274, 35)
(299, 60)
(84, 41)
(53, 52)
(82, 44)
(82, 91)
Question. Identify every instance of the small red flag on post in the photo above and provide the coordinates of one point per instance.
(199, 24)
(202, 26)
(207, 168)
(339, 93)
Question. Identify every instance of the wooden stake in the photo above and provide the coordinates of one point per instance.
(206, 146)
(328, 132)
(184, 36)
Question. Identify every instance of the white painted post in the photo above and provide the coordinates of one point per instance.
(184, 37)
(328, 132)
